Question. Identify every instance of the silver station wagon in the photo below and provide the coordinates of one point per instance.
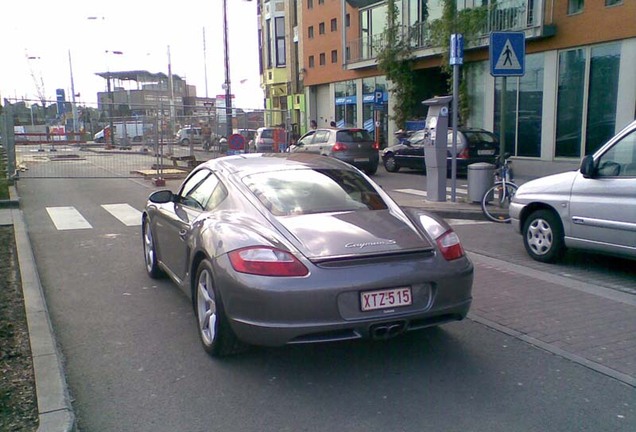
(593, 208)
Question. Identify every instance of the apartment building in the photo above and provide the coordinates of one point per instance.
(281, 70)
(578, 89)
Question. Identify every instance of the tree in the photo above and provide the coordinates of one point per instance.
(470, 22)
(395, 60)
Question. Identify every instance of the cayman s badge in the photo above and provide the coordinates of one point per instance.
(366, 244)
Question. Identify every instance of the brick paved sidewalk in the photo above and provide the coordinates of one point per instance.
(587, 324)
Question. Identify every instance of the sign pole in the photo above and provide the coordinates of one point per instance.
(502, 118)
(456, 59)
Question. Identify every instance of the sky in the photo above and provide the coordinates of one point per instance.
(142, 30)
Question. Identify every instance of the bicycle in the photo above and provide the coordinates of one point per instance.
(496, 201)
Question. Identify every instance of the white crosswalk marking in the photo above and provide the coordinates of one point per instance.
(423, 193)
(128, 215)
(457, 222)
(67, 218)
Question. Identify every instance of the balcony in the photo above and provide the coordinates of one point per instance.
(504, 15)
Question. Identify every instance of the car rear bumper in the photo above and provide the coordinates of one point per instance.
(378, 328)
(327, 307)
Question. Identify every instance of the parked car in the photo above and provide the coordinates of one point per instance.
(188, 135)
(351, 145)
(291, 248)
(268, 140)
(473, 145)
(593, 208)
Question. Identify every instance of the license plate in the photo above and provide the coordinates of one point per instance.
(360, 159)
(485, 152)
(383, 299)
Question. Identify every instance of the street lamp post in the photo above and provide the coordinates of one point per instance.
(74, 107)
(111, 100)
(228, 90)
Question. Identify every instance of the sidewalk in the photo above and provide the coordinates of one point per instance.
(590, 325)
(54, 404)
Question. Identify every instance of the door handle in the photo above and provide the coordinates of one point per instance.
(183, 233)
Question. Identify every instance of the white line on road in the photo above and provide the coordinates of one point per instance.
(67, 218)
(423, 193)
(128, 215)
(457, 222)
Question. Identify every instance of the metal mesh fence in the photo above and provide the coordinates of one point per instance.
(126, 141)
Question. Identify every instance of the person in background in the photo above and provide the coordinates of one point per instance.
(332, 124)
(313, 124)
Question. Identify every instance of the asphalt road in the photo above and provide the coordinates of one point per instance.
(134, 362)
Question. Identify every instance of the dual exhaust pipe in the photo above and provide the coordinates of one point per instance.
(386, 331)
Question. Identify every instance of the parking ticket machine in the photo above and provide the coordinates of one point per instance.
(435, 147)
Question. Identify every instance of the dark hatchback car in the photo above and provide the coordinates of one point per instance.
(473, 145)
(351, 145)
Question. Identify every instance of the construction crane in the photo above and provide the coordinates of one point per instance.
(37, 80)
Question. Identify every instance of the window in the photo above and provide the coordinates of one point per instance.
(347, 20)
(321, 1)
(321, 28)
(268, 42)
(620, 160)
(310, 4)
(613, 2)
(334, 24)
(280, 42)
(322, 59)
(334, 56)
(310, 32)
(285, 192)
(311, 61)
(586, 109)
(202, 191)
(575, 6)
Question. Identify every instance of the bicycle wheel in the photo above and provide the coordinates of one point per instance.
(496, 202)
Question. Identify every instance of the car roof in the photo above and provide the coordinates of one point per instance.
(251, 163)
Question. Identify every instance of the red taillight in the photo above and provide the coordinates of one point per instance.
(464, 154)
(266, 261)
(450, 245)
(376, 146)
(339, 147)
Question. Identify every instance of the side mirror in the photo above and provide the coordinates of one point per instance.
(587, 167)
(161, 197)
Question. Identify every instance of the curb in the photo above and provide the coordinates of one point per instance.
(55, 411)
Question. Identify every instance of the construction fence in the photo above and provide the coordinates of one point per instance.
(149, 143)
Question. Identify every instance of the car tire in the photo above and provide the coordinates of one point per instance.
(390, 164)
(214, 329)
(543, 236)
(371, 170)
(150, 252)
(185, 142)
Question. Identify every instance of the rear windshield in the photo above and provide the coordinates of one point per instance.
(480, 137)
(353, 135)
(269, 133)
(298, 192)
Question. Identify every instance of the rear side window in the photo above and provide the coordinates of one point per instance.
(480, 137)
(321, 136)
(353, 135)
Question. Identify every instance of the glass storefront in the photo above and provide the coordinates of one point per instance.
(346, 104)
(603, 93)
(530, 108)
(586, 100)
(571, 88)
(369, 87)
(524, 108)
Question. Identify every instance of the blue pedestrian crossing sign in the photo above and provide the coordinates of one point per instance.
(507, 54)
